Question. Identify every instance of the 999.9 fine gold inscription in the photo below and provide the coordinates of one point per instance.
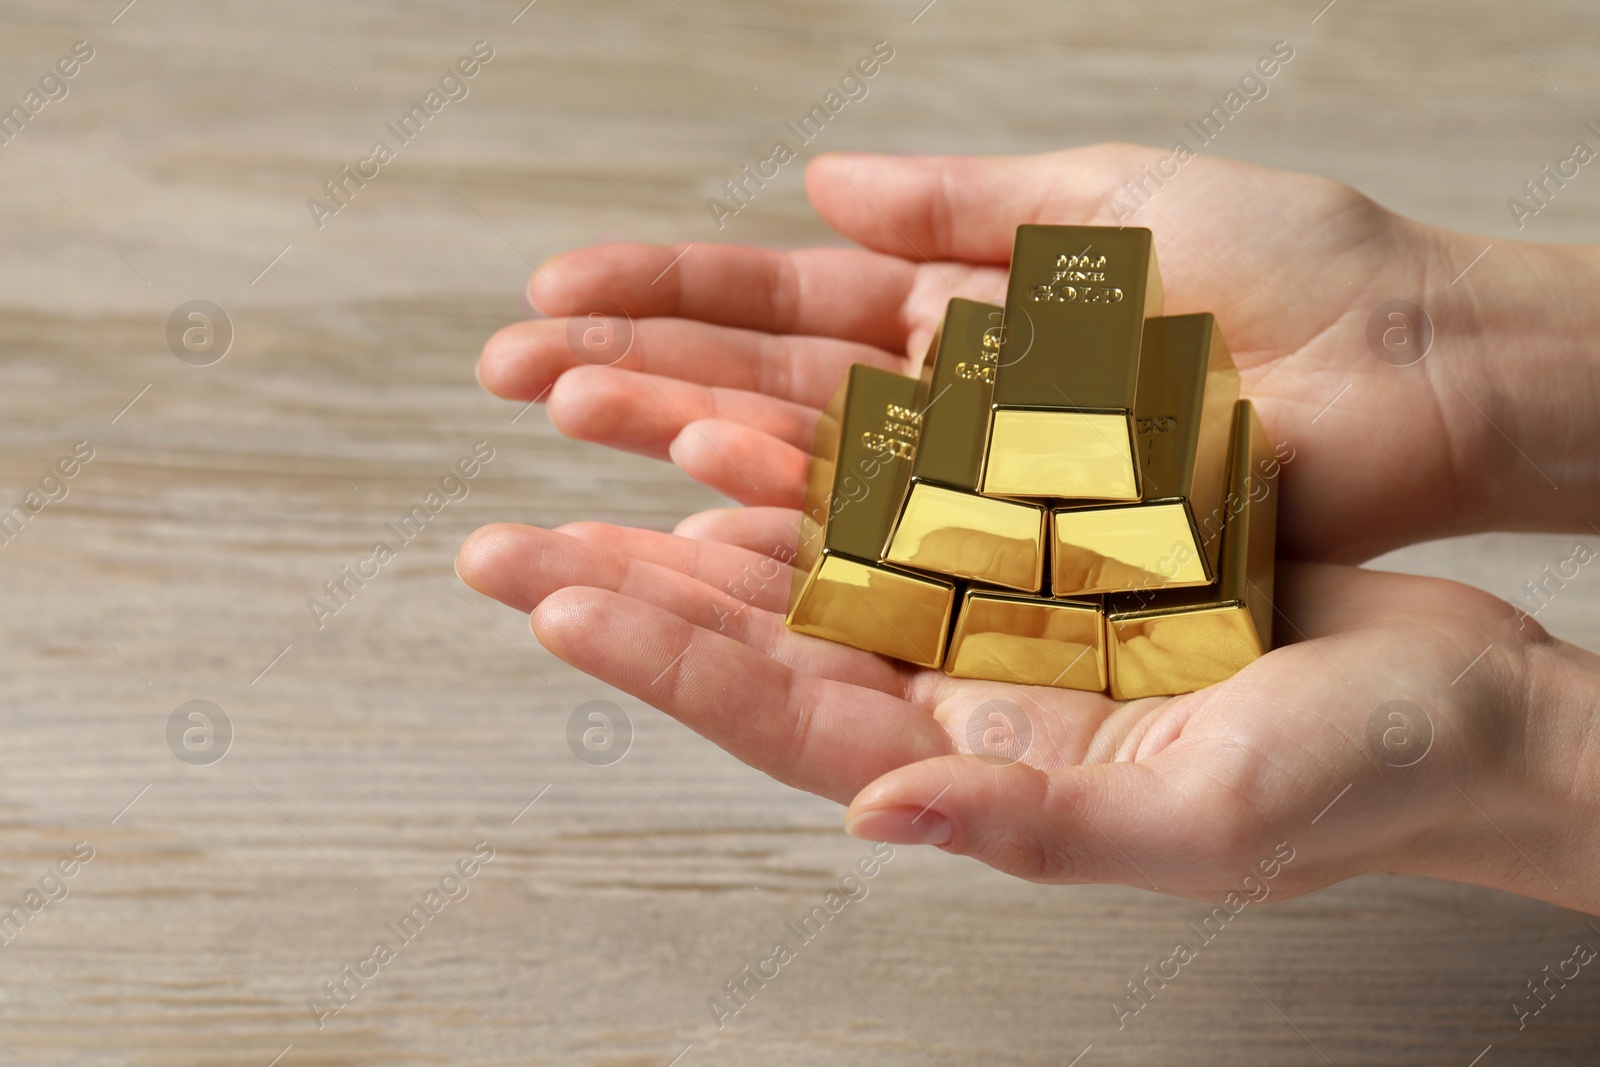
(1077, 279)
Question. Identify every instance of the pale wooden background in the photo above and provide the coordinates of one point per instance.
(420, 720)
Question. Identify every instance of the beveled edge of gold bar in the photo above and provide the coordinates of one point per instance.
(1076, 455)
(1260, 557)
(809, 536)
(1174, 557)
(1212, 473)
(957, 387)
(973, 522)
(860, 629)
(1247, 564)
(1243, 591)
(1232, 645)
(1188, 389)
(1062, 679)
(860, 461)
(1157, 610)
(879, 433)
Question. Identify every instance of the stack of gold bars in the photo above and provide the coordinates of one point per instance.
(1072, 494)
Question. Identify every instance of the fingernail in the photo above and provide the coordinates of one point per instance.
(676, 449)
(900, 826)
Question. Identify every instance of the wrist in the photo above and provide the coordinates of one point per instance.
(1526, 818)
(1518, 375)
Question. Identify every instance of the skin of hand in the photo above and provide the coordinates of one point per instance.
(1484, 774)
(733, 349)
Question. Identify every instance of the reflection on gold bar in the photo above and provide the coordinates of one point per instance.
(866, 441)
(1029, 640)
(1187, 390)
(1176, 641)
(1067, 381)
(945, 526)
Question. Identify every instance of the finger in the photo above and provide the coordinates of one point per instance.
(965, 208)
(746, 464)
(816, 734)
(823, 292)
(523, 360)
(757, 579)
(643, 413)
(773, 532)
(521, 566)
(1114, 823)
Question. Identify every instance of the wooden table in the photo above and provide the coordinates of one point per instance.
(371, 755)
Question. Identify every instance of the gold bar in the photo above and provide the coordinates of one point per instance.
(866, 440)
(1187, 390)
(944, 525)
(1176, 641)
(1067, 381)
(1006, 637)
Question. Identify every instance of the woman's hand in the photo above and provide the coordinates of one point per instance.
(734, 349)
(1405, 724)
(1408, 725)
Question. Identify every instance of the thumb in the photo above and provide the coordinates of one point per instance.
(965, 208)
(1116, 823)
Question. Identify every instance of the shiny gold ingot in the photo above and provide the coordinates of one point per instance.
(1006, 637)
(1066, 386)
(866, 440)
(945, 526)
(1176, 641)
(1187, 390)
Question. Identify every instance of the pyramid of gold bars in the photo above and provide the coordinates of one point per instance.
(1072, 494)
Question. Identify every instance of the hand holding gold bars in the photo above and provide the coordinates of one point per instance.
(736, 353)
(1071, 495)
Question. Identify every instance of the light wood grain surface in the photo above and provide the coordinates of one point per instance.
(370, 755)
